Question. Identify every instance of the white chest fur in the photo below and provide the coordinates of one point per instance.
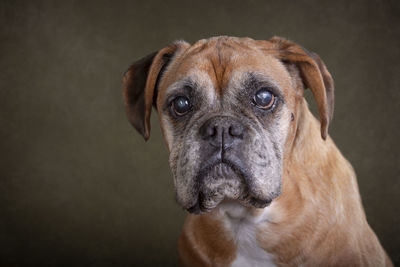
(243, 227)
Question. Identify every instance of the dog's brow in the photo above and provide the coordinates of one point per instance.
(186, 83)
(252, 80)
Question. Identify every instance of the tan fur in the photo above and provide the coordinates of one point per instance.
(319, 210)
(205, 242)
(318, 220)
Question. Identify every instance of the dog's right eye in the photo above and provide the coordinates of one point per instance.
(181, 105)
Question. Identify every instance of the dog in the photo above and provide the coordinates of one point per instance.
(263, 182)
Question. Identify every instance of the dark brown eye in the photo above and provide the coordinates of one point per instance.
(181, 105)
(264, 99)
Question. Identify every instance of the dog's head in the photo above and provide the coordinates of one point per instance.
(228, 109)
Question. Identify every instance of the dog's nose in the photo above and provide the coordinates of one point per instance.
(222, 131)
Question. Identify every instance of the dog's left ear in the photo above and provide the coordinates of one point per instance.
(314, 74)
(140, 86)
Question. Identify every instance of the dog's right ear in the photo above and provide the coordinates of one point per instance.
(140, 86)
(314, 75)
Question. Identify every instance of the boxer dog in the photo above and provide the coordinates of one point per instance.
(263, 182)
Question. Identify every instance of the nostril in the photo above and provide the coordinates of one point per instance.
(211, 131)
(208, 131)
(235, 131)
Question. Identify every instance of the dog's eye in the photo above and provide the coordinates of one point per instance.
(264, 99)
(181, 105)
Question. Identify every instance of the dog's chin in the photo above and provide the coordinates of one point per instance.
(222, 182)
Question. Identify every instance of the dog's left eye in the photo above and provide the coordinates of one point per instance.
(264, 99)
(181, 105)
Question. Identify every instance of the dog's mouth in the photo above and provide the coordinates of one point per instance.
(223, 180)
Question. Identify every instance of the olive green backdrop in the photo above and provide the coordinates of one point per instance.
(79, 187)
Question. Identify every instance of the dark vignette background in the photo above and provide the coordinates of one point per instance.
(79, 187)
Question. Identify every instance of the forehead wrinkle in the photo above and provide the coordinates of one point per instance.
(221, 60)
(216, 56)
(218, 69)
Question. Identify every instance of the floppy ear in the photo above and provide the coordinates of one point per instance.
(140, 86)
(314, 75)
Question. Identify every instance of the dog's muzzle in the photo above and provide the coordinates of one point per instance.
(223, 170)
